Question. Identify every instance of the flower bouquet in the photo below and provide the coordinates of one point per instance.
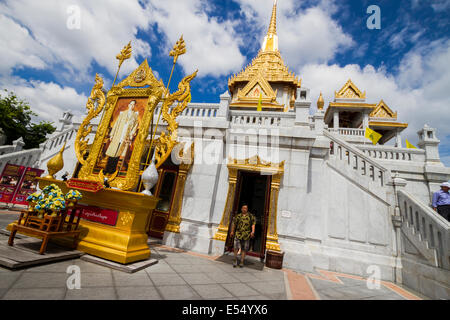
(72, 198)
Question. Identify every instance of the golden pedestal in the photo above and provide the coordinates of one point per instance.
(125, 242)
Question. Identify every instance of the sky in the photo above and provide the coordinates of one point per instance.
(51, 50)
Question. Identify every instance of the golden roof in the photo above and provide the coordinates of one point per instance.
(268, 62)
(350, 91)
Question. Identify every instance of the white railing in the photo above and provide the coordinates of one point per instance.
(55, 143)
(7, 149)
(349, 132)
(27, 158)
(259, 119)
(195, 110)
(347, 158)
(393, 153)
(431, 229)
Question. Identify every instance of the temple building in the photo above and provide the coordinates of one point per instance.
(321, 192)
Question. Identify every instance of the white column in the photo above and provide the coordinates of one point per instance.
(336, 120)
(398, 139)
(365, 120)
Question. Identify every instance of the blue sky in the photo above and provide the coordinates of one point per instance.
(405, 63)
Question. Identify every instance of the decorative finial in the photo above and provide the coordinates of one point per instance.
(273, 19)
(55, 164)
(178, 49)
(320, 102)
(124, 54)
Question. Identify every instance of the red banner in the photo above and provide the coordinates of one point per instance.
(99, 215)
(9, 181)
(27, 185)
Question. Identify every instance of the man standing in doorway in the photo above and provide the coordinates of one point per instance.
(244, 227)
(441, 201)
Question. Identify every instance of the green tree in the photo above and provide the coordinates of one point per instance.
(16, 122)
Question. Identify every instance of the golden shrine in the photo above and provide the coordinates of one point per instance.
(109, 172)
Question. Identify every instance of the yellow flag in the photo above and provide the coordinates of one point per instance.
(259, 108)
(372, 135)
(409, 145)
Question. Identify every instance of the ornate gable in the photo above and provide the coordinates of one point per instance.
(256, 87)
(350, 91)
(383, 111)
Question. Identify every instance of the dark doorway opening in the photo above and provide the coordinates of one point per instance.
(253, 189)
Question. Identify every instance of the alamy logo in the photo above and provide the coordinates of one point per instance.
(374, 21)
(373, 281)
(74, 17)
(74, 280)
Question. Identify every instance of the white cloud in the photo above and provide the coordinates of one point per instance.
(47, 100)
(305, 36)
(212, 45)
(39, 29)
(419, 91)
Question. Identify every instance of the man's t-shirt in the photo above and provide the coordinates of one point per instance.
(243, 224)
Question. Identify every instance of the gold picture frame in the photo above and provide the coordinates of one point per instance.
(140, 84)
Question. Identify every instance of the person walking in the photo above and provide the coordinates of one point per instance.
(244, 227)
(441, 201)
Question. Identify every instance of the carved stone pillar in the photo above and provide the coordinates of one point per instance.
(173, 224)
(222, 231)
(272, 234)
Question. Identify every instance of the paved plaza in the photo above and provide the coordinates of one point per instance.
(186, 275)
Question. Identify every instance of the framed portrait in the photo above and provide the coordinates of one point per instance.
(123, 130)
(119, 141)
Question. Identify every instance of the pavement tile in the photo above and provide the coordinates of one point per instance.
(211, 291)
(91, 267)
(385, 297)
(268, 276)
(138, 293)
(160, 267)
(164, 279)
(35, 294)
(223, 277)
(240, 289)
(268, 287)
(323, 284)
(332, 294)
(246, 277)
(184, 292)
(197, 278)
(177, 261)
(7, 279)
(251, 298)
(2, 292)
(60, 267)
(209, 268)
(138, 279)
(96, 279)
(93, 293)
(185, 268)
(41, 280)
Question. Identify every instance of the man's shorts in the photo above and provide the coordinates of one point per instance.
(241, 244)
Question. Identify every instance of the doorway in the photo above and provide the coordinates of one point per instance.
(253, 189)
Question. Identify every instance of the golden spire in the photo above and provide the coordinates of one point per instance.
(320, 102)
(271, 39)
(273, 20)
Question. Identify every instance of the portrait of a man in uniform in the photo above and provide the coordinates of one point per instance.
(121, 136)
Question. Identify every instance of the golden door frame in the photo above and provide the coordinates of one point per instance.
(186, 161)
(254, 164)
